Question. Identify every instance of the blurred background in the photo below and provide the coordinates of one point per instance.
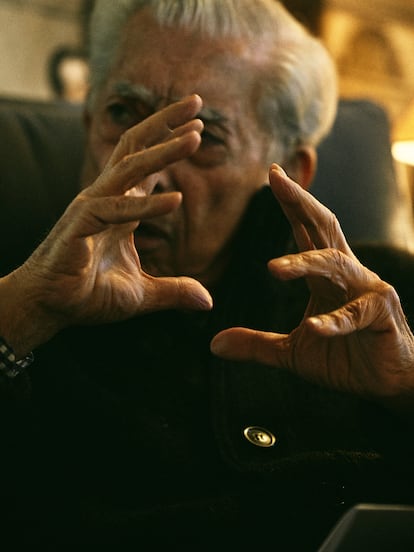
(372, 43)
(44, 52)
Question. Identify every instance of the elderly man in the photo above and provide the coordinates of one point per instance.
(161, 403)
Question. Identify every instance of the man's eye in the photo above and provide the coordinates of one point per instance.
(213, 150)
(209, 139)
(122, 115)
(119, 115)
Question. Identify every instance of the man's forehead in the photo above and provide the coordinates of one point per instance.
(141, 93)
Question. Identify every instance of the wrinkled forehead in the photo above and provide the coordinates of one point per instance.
(157, 65)
(181, 54)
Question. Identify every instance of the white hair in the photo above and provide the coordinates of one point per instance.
(297, 94)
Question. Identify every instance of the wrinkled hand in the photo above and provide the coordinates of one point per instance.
(354, 336)
(87, 269)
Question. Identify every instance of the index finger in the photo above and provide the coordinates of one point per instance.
(313, 224)
(133, 169)
(162, 125)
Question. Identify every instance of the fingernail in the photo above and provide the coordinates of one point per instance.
(315, 321)
(205, 301)
(283, 262)
(277, 168)
(217, 347)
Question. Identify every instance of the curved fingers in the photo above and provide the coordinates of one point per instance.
(134, 168)
(164, 124)
(370, 310)
(331, 264)
(374, 310)
(91, 215)
(313, 224)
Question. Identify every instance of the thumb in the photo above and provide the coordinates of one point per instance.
(243, 344)
(176, 293)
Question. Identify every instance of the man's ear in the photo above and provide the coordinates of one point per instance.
(301, 167)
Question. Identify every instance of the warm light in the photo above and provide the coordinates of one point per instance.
(403, 137)
(404, 151)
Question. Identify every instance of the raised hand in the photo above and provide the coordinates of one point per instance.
(87, 270)
(354, 336)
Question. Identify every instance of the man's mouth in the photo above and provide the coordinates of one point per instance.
(148, 237)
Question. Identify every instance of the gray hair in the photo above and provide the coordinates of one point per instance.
(297, 93)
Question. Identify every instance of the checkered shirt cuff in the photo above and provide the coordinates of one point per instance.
(9, 366)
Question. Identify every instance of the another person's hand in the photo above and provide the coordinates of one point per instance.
(354, 336)
(87, 270)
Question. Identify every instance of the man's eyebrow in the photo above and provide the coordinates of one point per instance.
(136, 92)
(140, 92)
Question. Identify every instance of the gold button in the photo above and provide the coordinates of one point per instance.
(259, 436)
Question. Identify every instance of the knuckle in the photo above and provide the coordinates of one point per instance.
(122, 146)
(117, 203)
(124, 164)
(126, 140)
(340, 259)
(80, 204)
(333, 221)
(387, 292)
(333, 228)
(131, 166)
(325, 219)
(352, 310)
(329, 224)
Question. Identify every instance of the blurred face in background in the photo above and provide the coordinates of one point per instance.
(73, 74)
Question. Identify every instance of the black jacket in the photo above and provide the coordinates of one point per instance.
(135, 431)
